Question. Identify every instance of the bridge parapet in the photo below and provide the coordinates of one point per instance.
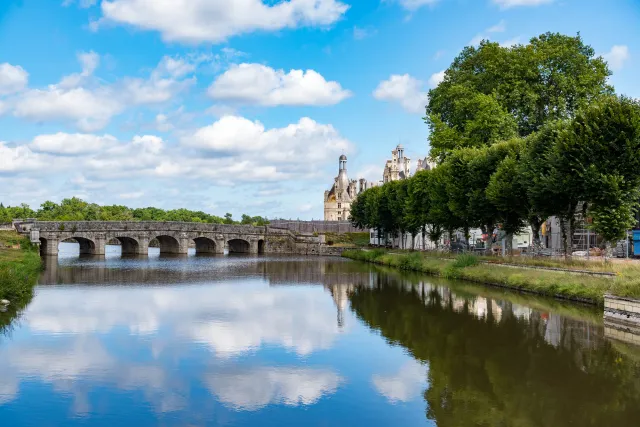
(93, 226)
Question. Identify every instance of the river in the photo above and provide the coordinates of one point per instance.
(301, 341)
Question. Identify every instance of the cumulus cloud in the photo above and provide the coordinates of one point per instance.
(72, 144)
(405, 90)
(406, 385)
(262, 85)
(304, 142)
(436, 78)
(617, 56)
(194, 21)
(250, 389)
(13, 78)
(90, 104)
(19, 159)
(506, 4)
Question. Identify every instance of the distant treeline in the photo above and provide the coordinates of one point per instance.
(76, 209)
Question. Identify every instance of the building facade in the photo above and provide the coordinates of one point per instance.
(338, 200)
(399, 167)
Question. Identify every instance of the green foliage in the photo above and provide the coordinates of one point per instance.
(19, 268)
(465, 260)
(491, 93)
(76, 209)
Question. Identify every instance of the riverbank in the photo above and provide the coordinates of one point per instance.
(569, 285)
(20, 266)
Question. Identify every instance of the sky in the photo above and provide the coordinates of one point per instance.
(244, 106)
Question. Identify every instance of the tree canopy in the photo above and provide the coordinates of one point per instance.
(75, 209)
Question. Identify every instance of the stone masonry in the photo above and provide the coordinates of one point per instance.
(173, 237)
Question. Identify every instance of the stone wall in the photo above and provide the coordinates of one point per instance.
(175, 237)
(315, 226)
(621, 310)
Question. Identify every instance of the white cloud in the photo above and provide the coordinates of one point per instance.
(304, 142)
(436, 78)
(13, 78)
(90, 105)
(617, 56)
(19, 159)
(500, 27)
(262, 85)
(506, 4)
(250, 389)
(412, 5)
(511, 42)
(408, 384)
(71, 144)
(88, 110)
(194, 21)
(405, 90)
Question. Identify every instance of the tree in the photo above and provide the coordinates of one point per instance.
(419, 203)
(508, 198)
(548, 79)
(602, 149)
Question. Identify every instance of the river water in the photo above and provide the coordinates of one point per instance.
(301, 341)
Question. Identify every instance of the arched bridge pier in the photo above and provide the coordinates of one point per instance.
(172, 237)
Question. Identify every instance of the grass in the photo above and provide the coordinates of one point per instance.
(578, 264)
(559, 284)
(19, 267)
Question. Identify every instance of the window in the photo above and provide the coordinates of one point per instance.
(339, 205)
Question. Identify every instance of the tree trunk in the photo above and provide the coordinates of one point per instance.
(424, 241)
(536, 225)
(567, 235)
(509, 244)
(608, 250)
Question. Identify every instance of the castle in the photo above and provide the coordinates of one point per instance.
(338, 200)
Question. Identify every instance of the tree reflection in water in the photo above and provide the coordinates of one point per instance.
(497, 363)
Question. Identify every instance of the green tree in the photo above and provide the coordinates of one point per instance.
(548, 79)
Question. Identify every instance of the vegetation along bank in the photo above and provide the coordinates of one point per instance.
(20, 265)
(569, 284)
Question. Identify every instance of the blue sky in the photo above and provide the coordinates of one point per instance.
(244, 106)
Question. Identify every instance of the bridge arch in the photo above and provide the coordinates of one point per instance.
(44, 247)
(87, 246)
(261, 246)
(238, 246)
(129, 245)
(168, 244)
(205, 245)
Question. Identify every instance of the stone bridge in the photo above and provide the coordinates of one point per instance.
(134, 236)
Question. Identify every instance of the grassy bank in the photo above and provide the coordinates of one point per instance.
(19, 267)
(559, 284)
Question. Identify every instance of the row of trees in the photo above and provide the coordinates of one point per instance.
(76, 209)
(520, 134)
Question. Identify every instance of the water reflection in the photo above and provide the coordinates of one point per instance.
(496, 362)
(302, 341)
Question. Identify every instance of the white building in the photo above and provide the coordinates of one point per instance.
(338, 200)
